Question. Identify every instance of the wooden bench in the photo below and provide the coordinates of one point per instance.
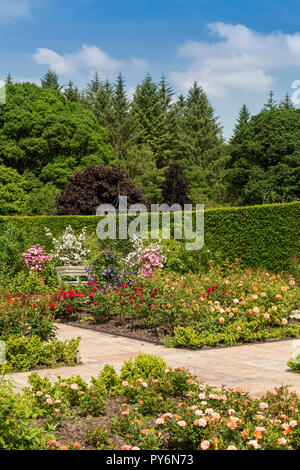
(72, 271)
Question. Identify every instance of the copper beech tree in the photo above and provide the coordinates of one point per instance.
(95, 186)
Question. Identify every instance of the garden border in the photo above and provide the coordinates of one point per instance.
(260, 236)
(159, 343)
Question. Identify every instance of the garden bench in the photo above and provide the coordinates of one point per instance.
(72, 271)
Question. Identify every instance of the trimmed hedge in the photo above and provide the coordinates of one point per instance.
(260, 236)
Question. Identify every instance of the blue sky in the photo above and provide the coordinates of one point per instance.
(236, 50)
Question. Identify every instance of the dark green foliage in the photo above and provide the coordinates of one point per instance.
(13, 242)
(266, 235)
(265, 157)
(199, 145)
(174, 188)
(51, 132)
(43, 134)
(42, 200)
(149, 110)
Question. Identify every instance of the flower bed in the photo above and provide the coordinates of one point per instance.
(28, 333)
(191, 311)
(148, 406)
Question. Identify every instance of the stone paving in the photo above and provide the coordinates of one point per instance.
(255, 367)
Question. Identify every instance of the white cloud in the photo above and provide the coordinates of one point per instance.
(58, 63)
(11, 9)
(139, 64)
(240, 58)
(93, 57)
(88, 57)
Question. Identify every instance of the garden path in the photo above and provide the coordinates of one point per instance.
(255, 367)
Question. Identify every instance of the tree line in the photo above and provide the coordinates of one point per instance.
(171, 148)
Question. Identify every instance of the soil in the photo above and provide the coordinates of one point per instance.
(74, 429)
(123, 326)
(131, 328)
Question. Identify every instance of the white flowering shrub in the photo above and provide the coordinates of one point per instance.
(69, 248)
(132, 259)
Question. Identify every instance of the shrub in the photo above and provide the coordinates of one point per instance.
(143, 367)
(25, 353)
(294, 363)
(17, 430)
(26, 315)
(68, 248)
(169, 409)
(260, 236)
(35, 258)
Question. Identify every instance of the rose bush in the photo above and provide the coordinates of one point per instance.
(242, 306)
(149, 406)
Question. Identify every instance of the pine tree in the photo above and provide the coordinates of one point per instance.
(201, 132)
(71, 93)
(98, 97)
(124, 128)
(239, 132)
(166, 93)
(198, 143)
(140, 167)
(271, 103)
(147, 108)
(174, 188)
(8, 80)
(50, 80)
(286, 103)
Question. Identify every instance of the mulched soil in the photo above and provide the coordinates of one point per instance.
(74, 429)
(123, 326)
(135, 329)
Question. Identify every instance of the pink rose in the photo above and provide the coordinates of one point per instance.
(205, 445)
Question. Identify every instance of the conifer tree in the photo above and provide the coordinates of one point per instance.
(98, 98)
(199, 145)
(271, 103)
(50, 80)
(286, 103)
(200, 132)
(148, 110)
(240, 129)
(166, 93)
(8, 80)
(174, 188)
(124, 128)
(71, 92)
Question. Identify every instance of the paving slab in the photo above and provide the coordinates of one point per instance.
(255, 367)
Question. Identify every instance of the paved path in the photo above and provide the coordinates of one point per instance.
(255, 367)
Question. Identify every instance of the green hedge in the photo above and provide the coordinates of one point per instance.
(265, 235)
